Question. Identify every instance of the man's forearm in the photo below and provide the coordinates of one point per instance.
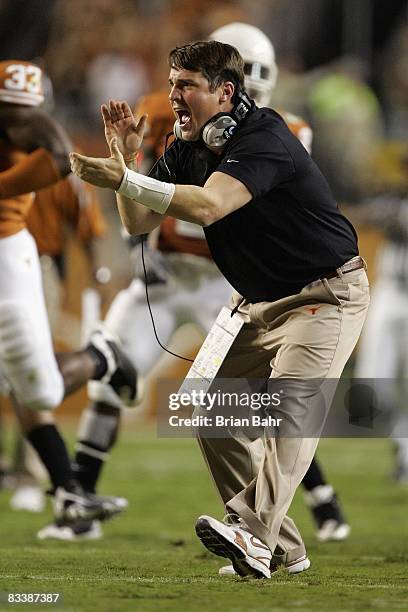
(136, 218)
(194, 204)
(189, 203)
(221, 194)
(186, 202)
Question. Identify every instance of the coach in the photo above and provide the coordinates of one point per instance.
(277, 235)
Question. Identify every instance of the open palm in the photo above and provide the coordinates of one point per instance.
(120, 124)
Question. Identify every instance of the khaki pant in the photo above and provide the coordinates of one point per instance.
(310, 335)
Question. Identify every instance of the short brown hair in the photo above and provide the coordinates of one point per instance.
(217, 62)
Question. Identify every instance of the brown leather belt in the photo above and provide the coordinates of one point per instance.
(354, 264)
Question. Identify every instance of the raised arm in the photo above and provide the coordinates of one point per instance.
(124, 136)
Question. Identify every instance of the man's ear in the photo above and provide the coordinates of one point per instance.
(227, 91)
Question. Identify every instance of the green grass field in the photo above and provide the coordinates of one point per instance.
(150, 558)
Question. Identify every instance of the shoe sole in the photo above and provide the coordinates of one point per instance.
(218, 544)
(296, 567)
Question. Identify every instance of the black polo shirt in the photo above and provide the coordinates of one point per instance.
(291, 232)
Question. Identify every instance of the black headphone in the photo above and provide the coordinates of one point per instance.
(219, 128)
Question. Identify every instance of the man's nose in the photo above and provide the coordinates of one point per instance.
(174, 93)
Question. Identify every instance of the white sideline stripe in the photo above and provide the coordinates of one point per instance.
(162, 579)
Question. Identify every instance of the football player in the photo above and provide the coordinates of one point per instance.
(34, 154)
(67, 208)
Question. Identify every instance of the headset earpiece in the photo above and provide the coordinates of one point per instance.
(219, 128)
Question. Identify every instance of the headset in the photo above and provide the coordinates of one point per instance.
(221, 126)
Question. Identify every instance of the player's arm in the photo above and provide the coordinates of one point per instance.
(48, 145)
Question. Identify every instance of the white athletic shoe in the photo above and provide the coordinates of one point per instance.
(28, 497)
(249, 556)
(333, 531)
(294, 567)
(81, 530)
(327, 513)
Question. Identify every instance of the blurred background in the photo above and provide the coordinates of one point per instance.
(343, 66)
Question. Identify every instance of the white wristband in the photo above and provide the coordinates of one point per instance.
(154, 194)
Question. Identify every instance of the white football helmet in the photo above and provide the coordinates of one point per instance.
(258, 54)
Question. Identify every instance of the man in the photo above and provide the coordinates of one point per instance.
(185, 286)
(277, 235)
(34, 154)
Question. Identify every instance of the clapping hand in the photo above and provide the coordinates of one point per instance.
(120, 123)
(100, 171)
(124, 136)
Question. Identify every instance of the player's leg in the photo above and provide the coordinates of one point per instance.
(28, 474)
(129, 319)
(17, 473)
(29, 364)
(99, 360)
(322, 500)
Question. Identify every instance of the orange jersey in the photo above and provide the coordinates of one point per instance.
(20, 83)
(68, 204)
(299, 128)
(178, 235)
(13, 211)
(160, 119)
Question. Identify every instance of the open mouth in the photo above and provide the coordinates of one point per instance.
(183, 116)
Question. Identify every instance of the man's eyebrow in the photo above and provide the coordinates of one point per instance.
(183, 82)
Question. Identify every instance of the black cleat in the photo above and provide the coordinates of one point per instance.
(73, 503)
